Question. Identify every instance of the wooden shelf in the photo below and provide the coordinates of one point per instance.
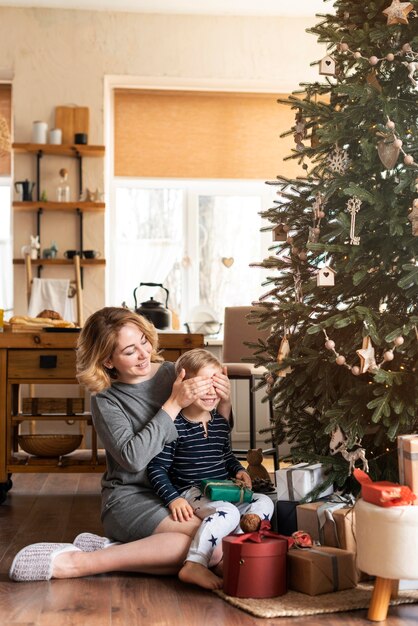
(59, 206)
(83, 262)
(70, 150)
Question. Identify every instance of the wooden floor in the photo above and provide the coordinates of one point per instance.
(51, 507)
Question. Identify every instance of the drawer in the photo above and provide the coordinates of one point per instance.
(38, 364)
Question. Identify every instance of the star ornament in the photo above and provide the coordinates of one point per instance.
(397, 12)
(367, 356)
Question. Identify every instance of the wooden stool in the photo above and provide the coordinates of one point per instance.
(387, 547)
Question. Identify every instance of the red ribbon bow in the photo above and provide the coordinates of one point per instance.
(264, 531)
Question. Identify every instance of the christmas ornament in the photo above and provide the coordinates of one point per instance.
(388, 153)
(339, 443)
(397, 12)
(279, 234)
(413, 217)
(314, 137)
(300, 131)
(367, 356)
(353, 207)
(373, 81)
(325, 277)
(228, 261)
(283, 353)
(412, 67)
(338, 160)
(327, 66)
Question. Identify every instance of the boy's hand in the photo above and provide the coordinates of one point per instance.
(242, 475)
(180, 510)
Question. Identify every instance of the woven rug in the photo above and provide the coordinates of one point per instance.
(294, 604)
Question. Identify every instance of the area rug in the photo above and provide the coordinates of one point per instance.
(295, 604)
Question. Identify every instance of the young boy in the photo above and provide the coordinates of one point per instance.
(201, 451)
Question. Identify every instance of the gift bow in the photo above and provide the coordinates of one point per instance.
(264, 531)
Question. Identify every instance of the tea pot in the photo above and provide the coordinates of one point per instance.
(25, 189)
(154, 311)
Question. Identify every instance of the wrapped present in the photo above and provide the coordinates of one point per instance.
(254, 564)
(321, 570)
(228, 490)
(329, 522)
(284, 517)
(383, 493)
(297, 481)
(408, 461)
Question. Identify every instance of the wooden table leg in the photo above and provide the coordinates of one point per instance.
(379, 603)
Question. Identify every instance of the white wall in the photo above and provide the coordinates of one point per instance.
(57, 57)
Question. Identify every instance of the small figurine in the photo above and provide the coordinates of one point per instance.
(32, 248)
(50, 253)
(257, 472)
(339, 442)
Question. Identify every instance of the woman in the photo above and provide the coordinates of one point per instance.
(137, 400)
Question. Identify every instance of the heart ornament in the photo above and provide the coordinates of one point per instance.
(228, 261)
(388, 153)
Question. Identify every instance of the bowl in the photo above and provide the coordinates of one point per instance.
(49, 445)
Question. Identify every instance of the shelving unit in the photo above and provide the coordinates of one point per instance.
(79, 207)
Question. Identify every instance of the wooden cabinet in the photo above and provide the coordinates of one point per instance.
(49, 358)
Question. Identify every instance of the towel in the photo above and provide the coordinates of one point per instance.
(51, 293)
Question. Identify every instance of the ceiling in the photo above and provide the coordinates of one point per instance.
(202, 7)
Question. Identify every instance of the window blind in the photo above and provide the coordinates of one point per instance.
(187, 134)
(6, 112)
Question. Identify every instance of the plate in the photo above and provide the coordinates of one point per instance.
(52, 329)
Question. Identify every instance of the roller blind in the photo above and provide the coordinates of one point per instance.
(184, 134)
(6, 112)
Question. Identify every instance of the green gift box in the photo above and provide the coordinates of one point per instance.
(228, 490)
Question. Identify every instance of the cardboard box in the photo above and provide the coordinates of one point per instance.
(329, 523)
(254, 569)
(296, 481)
(408, 461)
(321, 570)
(227, 490)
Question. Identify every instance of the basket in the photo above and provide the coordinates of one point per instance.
(49, 445)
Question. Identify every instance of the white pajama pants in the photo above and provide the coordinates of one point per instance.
(219, 519)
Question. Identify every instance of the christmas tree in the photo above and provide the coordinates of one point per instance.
(341, 296)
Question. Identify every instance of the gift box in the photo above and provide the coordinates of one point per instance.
(383, 493)
(321, 570)
(329, 523)
(284, 517)
(254, 565)
(296, 481)
(408, 461)
(228, 490)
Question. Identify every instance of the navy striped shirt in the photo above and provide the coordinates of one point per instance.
(192, 457)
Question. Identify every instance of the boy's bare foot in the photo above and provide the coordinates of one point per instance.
(196, 574)
(218, 569)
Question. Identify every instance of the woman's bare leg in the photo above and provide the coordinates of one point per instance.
(162, 553)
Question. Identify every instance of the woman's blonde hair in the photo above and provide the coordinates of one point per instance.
(193, 360)
(98, 340)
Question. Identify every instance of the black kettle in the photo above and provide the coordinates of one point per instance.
(154, 311)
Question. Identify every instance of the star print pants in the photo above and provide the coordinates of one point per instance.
(219, 519)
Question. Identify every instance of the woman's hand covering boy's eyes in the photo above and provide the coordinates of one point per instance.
(222, 385)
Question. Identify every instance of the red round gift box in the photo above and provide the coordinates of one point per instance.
(254, 569)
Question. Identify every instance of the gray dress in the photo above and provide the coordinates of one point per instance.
(133, 428)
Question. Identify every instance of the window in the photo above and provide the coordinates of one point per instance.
(197, 238)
